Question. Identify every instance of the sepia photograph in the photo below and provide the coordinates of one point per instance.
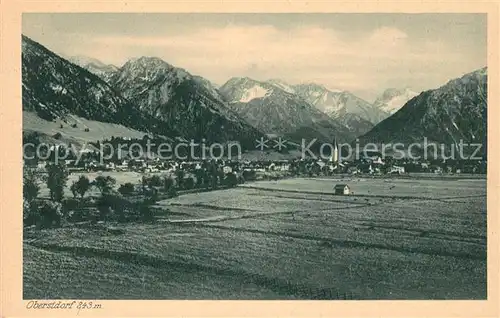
(254, 156)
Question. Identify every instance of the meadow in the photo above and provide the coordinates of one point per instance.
(415, 238)
(76, 134)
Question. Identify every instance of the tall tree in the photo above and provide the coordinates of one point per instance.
(81, 186)
(179, 173)
(57, 176)
(104, 184)
(31, 184)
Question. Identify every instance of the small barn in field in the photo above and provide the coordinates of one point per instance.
(342, 189)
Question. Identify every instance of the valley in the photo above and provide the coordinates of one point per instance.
(271, 223)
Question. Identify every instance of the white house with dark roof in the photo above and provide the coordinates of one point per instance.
(342, 189)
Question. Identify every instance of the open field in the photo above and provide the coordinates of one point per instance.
(287, 239)
(386, 187)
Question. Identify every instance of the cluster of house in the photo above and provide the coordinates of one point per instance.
(367, 165)
(363, 166)
(156, 165)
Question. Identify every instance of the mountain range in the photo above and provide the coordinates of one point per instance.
(189, 103)
(149, 95)
(349, 116)
(104, 71)
(146, 94)
(54, 88)
(276, 110)
(453, 112)
(277, 107)
(338, 103)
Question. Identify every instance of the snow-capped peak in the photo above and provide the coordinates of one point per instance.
(282, 85)
(392, 99)
(104, 71)
(253, 92)
(319, 88)
(82, 60)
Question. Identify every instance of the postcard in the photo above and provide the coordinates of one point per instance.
(249, 159)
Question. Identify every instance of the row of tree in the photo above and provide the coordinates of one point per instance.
(46, 213)
(111, 204)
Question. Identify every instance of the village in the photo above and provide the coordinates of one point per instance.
(319, 155)
(102, 184)
(369, 165)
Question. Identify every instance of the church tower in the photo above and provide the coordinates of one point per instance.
(335, 154)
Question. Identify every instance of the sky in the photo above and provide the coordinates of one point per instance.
(362, 53)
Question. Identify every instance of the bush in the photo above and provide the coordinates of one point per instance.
(104, 210)
(70, 204)
(126, 189)
(231, 180)
(151, 195)
(168, 184)
(145, 212)
(77, 215)
(74, 125)
(154, 181)
(249, 175)
(88, 202)
(31, 187)
(104, 184)
(76, 210)
(180, 178)
(51, 213)
(86, 130)
(189, 183)
(26, 209)
(31, 214)
(171, 192)
(113, 206)
(57, 136)
(200, 176)
(241, 179)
